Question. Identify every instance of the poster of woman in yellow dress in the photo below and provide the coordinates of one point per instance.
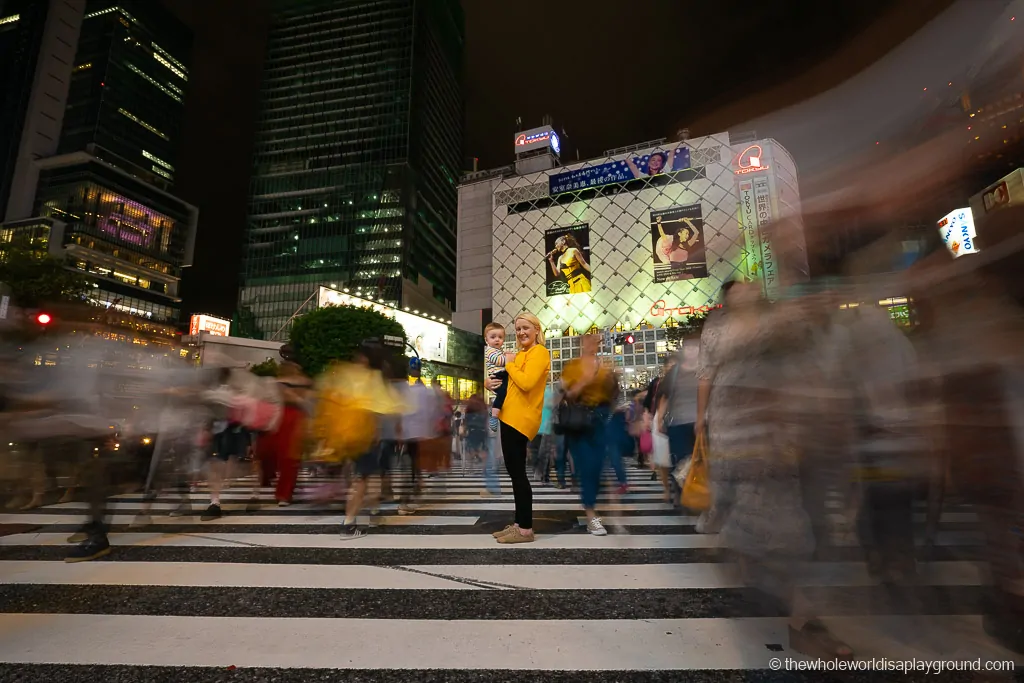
(568, 260)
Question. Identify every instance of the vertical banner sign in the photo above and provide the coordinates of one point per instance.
(567, 262)
(763, 209)
(677, 243)
(748, 224)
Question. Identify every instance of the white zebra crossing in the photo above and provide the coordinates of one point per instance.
(200, 557)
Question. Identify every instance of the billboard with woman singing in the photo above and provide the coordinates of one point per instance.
(677, 242)
(567, 260)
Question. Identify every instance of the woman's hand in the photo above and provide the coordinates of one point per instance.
(492, 383)
(510, 357)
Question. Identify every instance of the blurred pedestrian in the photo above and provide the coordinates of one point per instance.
(590, 387)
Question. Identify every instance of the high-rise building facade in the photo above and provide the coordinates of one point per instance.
(38, 40)
(99, 186)
(357, 157)
(126, 102)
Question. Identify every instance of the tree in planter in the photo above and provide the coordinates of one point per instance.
(690, 327)
(335, 333)
(36, 279)
(267, 368)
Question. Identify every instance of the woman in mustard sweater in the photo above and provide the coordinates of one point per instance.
(528, 371)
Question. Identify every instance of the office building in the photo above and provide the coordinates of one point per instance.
(38, 40)
(99, 188)
(636, 240)
(357, 157)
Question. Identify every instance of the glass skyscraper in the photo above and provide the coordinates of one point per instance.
(127, 92)
(357, 156)
(100, 189)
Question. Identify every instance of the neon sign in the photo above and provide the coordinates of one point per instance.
(749, 160)
(537, 138)
(659, 309)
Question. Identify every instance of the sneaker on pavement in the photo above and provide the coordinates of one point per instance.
(406, 509)
(623, 488)
(507, 530)
(596, 528)
(212, 512)
(90, 549)
(283, 503)
(79, 536)
(484, 493)
(183, 510)
(516, 536)
(351, 531)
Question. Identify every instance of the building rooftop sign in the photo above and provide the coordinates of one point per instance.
(537, 138)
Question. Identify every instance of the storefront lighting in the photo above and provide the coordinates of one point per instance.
(10, 20)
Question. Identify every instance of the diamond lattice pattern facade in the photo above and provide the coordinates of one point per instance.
(659, 246)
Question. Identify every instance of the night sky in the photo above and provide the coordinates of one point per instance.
(611, 74)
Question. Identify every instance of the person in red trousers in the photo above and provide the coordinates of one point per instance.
(281, 450)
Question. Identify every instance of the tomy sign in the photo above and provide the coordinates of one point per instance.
(537, 138)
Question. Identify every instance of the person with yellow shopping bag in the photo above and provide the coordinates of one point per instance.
(353, 398)
(695, 481)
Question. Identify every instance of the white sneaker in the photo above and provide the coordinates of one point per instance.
(595, 527)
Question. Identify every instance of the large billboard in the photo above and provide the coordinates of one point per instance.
(217, 327)
(1007, 191)
(567, 260)
(677, 243)
(428, 337)
(652, 164)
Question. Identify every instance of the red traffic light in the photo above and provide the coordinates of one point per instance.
(43, 318)
(629, 339)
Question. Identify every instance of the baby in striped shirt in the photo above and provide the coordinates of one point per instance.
(494, 366)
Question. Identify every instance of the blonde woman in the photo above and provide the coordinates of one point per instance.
(528, 370)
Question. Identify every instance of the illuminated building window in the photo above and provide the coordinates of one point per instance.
(169, 56)
(167, 90)
(82, 67)
(108, 10)
(174, 70)
(142, 123)
(160, 171)
(9, 20)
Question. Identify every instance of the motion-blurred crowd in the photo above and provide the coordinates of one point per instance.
(823, 424)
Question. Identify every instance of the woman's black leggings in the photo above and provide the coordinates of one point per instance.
(513, 448)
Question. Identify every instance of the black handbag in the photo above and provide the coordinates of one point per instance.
(572, 418)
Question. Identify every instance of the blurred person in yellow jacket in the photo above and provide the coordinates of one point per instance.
(353, 397)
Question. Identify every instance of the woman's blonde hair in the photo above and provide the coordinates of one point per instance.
(533, 320)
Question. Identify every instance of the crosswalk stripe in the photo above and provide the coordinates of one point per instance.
(689, 576)
(651, 596)
(554, 645)
(390, 541)
(482, 506)
(383, 520)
